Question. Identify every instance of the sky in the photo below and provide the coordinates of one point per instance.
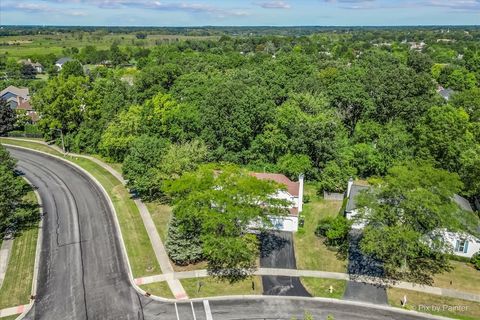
(239, 12)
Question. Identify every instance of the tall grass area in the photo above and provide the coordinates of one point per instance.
(28, 45)
(310, 251)
(17, 285)
(139, 249)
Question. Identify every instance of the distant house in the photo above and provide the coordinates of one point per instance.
(293, 193)
(60, 62)
(461, 243)
(14, 95)
(19, 99)
(36, 65)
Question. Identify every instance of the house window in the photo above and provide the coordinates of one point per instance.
(461, 246)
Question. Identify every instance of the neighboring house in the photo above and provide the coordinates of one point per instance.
(60, 62)
(14, 95)
(36, 65)
(462, 244)
(445, 93)
(293, 193)
(351, 209)
(19, 99)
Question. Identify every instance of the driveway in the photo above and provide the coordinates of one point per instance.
(277, 251)
(361, 265)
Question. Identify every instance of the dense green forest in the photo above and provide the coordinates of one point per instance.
(332, 105)
(329, 103)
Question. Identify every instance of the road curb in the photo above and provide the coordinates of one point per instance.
(38, 249)
(117, 223)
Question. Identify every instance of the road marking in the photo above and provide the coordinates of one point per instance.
(193, 311)
(208, 312)
(176, 311)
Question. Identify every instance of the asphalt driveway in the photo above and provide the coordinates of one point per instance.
(277, 251)
(361, 265)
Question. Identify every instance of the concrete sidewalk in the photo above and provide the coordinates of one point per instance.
(157, 244)
(320, 274)
(5, 253)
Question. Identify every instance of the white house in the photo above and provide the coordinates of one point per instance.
(60, 62)
(293, 193)
(461, 243)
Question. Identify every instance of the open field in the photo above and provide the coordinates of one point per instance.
(209, 287)
(28, 45)
(139, 249)
(17, 286)
(310, 252)
(447, 307)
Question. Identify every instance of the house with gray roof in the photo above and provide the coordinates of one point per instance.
(459, 243)
(14, 96)
(60, 62)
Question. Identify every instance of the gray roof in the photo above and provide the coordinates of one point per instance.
(446, 93)
(22, 92)
(61, 61)
(462, 203)
(354, 191)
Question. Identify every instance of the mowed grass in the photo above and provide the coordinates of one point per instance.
(210, 287)
(423, 302)
(17, 285)
(463, 277)
(139, 248)
(28, 45)
(159, 289)
(161, 215)
(319, 287)
(310, 251)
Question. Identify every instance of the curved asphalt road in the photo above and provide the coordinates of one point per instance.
(83, 274)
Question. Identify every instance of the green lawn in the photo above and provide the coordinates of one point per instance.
(319, 287)
(310, 252)
(161, 215)
(209, 287)
(466, 310)
(17, 285)
(28, 45)
(139, 248)
(464, 277)
(159, 289)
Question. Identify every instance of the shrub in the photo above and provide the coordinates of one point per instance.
(475, 260)
(334, 230)
(183, 243)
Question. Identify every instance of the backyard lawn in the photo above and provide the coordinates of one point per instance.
(17, 285)
(209, 287)
(434, 304)
(310, 252)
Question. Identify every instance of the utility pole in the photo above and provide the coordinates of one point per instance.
(63, 141)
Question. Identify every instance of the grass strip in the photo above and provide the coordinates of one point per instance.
(17, 285)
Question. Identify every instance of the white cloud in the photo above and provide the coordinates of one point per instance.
(274, 5)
